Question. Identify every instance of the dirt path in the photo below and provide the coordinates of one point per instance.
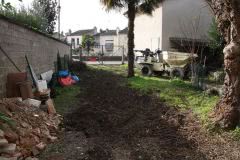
(113, 122)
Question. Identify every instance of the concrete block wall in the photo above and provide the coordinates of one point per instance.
(18, 41)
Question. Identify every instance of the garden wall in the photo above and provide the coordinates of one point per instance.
(18, 40)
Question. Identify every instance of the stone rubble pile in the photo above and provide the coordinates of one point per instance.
(28, 132)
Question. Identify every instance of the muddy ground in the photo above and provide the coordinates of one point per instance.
(113, 122)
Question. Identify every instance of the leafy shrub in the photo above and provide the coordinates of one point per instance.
(4, 118)
(40, 16)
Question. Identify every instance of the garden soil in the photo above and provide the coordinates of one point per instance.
(111, 121)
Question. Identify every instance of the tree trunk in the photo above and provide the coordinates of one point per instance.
(131, 19)
(227, 111)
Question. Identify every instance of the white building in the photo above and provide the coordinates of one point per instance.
(75, 38)
(172, 23)
(111, 42)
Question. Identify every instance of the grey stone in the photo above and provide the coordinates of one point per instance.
(12, 158)
(1, 133)
(30, 158)
(9, 149)
(3, 142)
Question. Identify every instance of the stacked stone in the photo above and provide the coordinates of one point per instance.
(28, 132)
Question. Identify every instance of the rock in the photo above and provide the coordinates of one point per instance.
(9, 149)
(1, 133)
(51, 108)
(33, 129)
(41, 146)
(24, 124)
(36, 139)
(11, 136)
(45, 132)
(25, 153)
(36, 131)
(27, 142)
(12, 107)
(3, 142)
(4, 110)
(22, 132)
(32, 102)
(30, 158)
(14, 100)
(35, 151)
(12, 158)
(52, 138)
(18, 154)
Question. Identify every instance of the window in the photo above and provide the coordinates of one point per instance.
(73, 40)
(77, 41)
(109, 45)
(97, 45)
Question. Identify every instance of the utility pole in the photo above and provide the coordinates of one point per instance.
(59, 13)
(123, 54)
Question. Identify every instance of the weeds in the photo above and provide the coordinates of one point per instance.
(66, 98)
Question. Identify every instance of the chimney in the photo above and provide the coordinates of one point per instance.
(117, 30)
(95, 29)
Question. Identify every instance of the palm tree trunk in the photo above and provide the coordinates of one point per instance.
(131, 19)
(227, 111)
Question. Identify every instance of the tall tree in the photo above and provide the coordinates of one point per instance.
(87, 42)
(227, 110)
(3, 1)
(132, 6)
(37, 10)
(50, 13)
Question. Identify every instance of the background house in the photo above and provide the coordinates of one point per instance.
(111, 42)
(75, 38)
(174, 22)
(108, 42)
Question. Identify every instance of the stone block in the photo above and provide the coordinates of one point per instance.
(3, 142)
(9, 149)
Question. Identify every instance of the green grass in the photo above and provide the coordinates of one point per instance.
(66, 98)
(117, 69)
(177, 93)
(173, 92)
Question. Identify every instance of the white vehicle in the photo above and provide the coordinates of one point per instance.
(176, 64)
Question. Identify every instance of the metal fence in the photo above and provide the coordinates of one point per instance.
(100, 54)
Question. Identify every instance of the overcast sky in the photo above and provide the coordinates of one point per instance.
(85, 14)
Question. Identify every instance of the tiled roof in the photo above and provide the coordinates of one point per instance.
(112, 32)
(82, 32)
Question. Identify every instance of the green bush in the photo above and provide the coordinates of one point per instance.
(23, 16)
